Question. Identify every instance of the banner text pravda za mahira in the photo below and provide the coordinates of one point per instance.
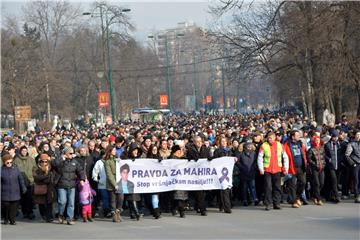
(174, 172)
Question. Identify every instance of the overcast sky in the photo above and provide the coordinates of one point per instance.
(146, 15)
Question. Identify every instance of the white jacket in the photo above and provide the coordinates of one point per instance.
(99, 174)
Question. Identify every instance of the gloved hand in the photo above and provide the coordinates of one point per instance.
(133, 159)
(159, 160)
(209, 159)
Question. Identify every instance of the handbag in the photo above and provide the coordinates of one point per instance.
(40, 189)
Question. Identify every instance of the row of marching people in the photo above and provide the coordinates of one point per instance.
(72, 174)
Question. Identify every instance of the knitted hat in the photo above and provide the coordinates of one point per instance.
(334, 133)
(68, 150)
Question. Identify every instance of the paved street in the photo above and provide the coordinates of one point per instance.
(310, 222)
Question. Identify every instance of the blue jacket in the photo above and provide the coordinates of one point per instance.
(12, 184)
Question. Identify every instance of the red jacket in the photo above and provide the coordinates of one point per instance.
(292, 169)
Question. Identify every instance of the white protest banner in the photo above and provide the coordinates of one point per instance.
(150, 175)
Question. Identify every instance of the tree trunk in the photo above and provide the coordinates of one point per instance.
(310, 81)
(338, 104)
(237, 102)
(306, 111)
(87, 95)
(319, 108)
(358, 106)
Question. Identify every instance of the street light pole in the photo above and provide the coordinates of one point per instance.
(213, 96)
(168, 79)
(111, 87)
(196, 85)
(223, 86)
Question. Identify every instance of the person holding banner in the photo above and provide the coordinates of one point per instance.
(180, 197)
(166, 198)
(145, 146)
(196, 151)
(225, 194)
(116, 197)
(126, 187)
(154, 154)
(272, 160)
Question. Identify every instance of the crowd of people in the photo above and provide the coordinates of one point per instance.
(281, 158)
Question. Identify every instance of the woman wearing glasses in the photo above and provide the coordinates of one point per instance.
(44, 191)
(12, 185)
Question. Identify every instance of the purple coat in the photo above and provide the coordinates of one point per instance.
(86, 193)
(12, 184)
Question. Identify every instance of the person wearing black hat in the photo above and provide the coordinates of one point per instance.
(333, 157)
(133, 152)
(179, 196)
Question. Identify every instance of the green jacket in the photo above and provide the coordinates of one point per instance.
(26, 165)
(110, 169)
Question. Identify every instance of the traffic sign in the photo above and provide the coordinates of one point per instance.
(164, 100)
(22, 113)
(103, 98)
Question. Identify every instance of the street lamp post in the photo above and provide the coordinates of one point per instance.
(111, 85)
(168, 79)
(112, 100)
(223, 87)
(196, 84)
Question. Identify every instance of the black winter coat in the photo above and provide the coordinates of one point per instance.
(247, 165)
(87, 164)
(331, 156)
(194, 154)
(316, 158)
(222, 152)
(68, 172)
